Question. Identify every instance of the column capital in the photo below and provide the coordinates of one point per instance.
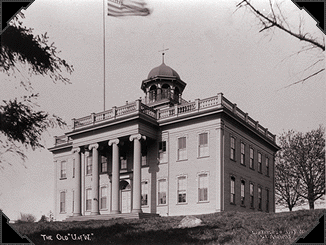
(75, 150)
(90, 147)
(114, 141)
(137, 136)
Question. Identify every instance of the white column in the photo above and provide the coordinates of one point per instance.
(136, 187)
(95, 180)
(115, 176)
(77, 197)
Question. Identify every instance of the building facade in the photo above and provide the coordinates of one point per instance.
(166, 156)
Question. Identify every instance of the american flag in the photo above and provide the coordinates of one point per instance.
(118, 8)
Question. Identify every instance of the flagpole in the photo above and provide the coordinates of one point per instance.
(104, 55)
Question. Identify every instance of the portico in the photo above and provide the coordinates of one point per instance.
(94, 151)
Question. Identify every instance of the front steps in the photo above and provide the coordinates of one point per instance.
(112, 216)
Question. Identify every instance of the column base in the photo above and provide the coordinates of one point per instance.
(136, 211)
(77, 214)
(115, 212)
(95, 213)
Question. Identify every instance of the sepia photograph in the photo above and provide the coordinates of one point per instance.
(162, 122)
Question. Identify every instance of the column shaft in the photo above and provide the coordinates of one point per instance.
(136, 188)
(77, 193)
(95, 180)
(115, 176)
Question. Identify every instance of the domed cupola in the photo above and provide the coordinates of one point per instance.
(163, 86)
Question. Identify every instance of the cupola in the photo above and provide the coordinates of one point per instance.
(163, 86)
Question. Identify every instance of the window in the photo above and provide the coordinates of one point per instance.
(203, 188)
(267, 200)
(89, 165)
(259, 162)
(144, 155)
(88, 199)
(242, 158)
(162, 191)
(267, 166)
(242, 190)
(251, 161)
(162, 151)
(203, 145)
(182, 189)
(182, 148)
(123, 162)
(232, 200)
(73, 168)
(63, 171)
(259, 198)
(73, 201)
(103, 197)
(251, 195)
(62, 202)
(232, 147)
(104, 164)
(144, 193)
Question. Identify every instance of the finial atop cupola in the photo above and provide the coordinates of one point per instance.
(163, 53)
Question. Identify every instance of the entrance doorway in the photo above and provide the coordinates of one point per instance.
(125, 194)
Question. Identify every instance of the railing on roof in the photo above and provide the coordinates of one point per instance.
(215, 102)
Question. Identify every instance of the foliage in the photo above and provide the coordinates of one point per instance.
(44, 219)
(218, 228)
(303, 155)
(276, 20)
(26, 218)
(21, 124)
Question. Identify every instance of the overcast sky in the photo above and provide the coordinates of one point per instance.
(212, 47)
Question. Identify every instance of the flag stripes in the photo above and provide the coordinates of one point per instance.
(118, 8)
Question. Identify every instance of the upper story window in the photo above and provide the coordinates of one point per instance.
(62, 202)
(144, 193)
(203, 188)
(162, 190)
(152, 93)
(203, 145)
(144, 155)
(232, 190)
(182, 148)
(267, 166)
(232, 148)
(89, 165)
(123, 160)
(104, 164)
(242, 190)
(251, 160)
(259, 162)
(242, 157)
(182, 189)
(63, 170)
(162, 151)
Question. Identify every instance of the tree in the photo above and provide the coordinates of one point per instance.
(30, 218)
(303, 154)
(20, 121)
(275, 19)
(286, 184)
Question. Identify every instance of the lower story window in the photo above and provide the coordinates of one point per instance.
(103, 197)
(203, 188)
(182, 189)
(144, 193)
(162, 191)
(62, 202)
(88, 199)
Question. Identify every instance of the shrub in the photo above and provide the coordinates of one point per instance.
(26, 218)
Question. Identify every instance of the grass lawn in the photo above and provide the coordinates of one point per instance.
(218, 228)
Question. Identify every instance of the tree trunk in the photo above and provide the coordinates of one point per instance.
(311, 204)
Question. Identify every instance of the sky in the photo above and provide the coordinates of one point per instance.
(213, 48)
